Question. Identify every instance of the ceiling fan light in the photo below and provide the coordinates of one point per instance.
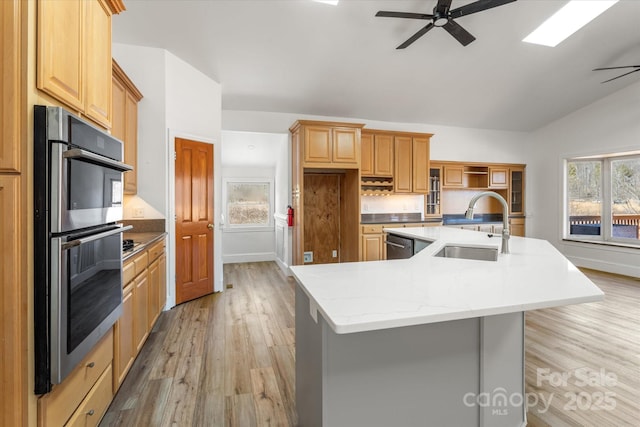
(566, 21)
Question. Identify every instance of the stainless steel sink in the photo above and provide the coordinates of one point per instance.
(468, 252)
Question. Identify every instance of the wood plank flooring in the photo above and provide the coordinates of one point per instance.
(228, 359)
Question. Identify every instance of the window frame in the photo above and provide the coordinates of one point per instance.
(248, 227)
(606, 223)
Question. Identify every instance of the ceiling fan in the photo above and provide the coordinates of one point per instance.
(637, 68)
(444, 17)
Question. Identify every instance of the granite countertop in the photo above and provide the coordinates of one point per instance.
(141, 241)
(364, 296)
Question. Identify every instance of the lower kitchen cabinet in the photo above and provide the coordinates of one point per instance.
(372, 243)
(144, 297)
(517, 226)
(87, 388)
(123, 345)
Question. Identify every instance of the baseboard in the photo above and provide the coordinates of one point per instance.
(284, 267)
(254, 257)
(609, 267)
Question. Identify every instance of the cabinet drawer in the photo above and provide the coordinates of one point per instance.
(56, 408)
(95, 404)
(156, 250)
(141, 262)
(128, 272)
(371, 229)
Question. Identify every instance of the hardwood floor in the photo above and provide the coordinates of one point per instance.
(228, 359)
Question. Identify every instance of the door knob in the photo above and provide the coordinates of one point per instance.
(210, 226)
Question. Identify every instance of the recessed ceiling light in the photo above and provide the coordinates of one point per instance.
(251, 147)
(573, 16)
(331, 2)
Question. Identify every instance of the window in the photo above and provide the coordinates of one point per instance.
(603, 199)
(248, 202)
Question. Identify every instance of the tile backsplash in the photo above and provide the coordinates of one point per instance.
(411, 203)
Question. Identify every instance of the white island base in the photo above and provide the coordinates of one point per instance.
(467, 372)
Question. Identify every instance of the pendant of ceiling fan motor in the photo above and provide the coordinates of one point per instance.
(440, 19)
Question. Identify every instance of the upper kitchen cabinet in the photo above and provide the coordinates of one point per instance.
(498, 177)
(516, 190)
(377, 154)
(74, 65)
(125, 123)
(328, 145)
(411, 172)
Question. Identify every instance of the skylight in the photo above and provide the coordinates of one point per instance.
(566, 21)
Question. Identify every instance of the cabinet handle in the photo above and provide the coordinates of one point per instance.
(90, 365)
(91, 412)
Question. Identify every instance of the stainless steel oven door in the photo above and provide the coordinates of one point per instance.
(86, 294)
(86, 189)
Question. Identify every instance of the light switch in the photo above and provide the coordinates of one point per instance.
(334, 254)
(308, 257)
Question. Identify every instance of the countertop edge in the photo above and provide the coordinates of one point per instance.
(150, 237)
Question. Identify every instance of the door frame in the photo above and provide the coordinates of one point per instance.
(171, 225)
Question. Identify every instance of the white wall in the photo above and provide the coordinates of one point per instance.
(178, 101)
(609, 125)
(248, 245)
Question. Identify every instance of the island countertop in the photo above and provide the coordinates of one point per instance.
(366, 296)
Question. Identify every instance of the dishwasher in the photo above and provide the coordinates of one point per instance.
(398, 247)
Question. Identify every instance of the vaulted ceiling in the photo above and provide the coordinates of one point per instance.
(299, 56)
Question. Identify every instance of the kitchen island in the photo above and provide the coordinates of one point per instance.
(425, 341)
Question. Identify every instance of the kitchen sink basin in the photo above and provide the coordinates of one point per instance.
(468, 252)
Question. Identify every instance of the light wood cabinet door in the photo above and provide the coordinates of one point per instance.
(93, 407)
(383, 158)
(345, 147)
(420, 164)
(125, 98)
(453, 176)
(131, 144)
(372, 247)
(140, 310)
(517, 226)
(317, 144)
(124, 347)
(516, 191)
(162, 295)
(498, 177)
(10, 86)
(403, 174)
(98, 62)
(154, 292)
(367, 154)
(60, 67)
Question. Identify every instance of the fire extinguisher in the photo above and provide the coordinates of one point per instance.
(289, 216)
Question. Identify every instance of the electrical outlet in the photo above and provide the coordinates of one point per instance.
(308, 257)
(334, 254)
(138, 212)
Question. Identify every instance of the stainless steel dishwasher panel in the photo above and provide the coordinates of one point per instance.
(398, 247)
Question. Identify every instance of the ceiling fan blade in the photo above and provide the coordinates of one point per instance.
(621, 75)
(442, 7)
(416, 36)
(460, 34)
(478, 6)
(404, 15)
(616, 68)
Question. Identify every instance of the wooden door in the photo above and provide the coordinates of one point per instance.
(402, 175)
(194, 219)
(322, 217)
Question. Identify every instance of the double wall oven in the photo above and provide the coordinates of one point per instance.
(77, 240)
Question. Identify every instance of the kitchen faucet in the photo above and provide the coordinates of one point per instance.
(505, 216)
